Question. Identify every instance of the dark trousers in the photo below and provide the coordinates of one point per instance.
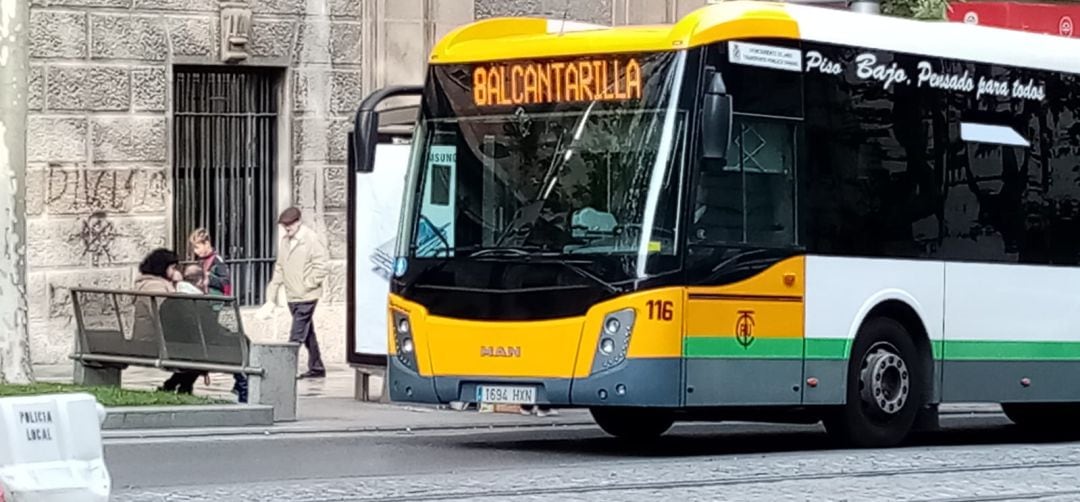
(182, 381)
(240, 387)
(303, 332)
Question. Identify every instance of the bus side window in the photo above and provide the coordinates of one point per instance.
(751, 199)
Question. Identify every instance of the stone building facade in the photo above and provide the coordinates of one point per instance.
(101, 140)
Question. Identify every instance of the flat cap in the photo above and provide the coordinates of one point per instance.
(289, 216)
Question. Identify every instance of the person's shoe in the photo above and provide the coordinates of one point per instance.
(549, 412)
(313, 374)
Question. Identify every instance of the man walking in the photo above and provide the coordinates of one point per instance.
(301, 267)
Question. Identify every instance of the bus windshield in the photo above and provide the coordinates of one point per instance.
(592, 179)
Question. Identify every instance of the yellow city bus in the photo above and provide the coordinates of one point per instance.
(763, 211)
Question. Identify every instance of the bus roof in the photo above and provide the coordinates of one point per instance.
(522, 37)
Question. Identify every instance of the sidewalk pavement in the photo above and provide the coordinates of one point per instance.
(327, 406)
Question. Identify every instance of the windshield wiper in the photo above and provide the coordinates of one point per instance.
(529, 254)
(612, 288)
(530, 212)
(476, 250)
(509, 251)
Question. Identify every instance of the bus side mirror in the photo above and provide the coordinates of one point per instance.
(350, 154)
(716, 120)
(364, 137)
(361, 151)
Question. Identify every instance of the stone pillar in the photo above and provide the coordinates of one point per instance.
(14, 98)
(277, 386)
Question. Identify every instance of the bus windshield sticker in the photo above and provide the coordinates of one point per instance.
(767, 56)
(436, 232)
(613, 78)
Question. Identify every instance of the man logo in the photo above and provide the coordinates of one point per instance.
(490, 351)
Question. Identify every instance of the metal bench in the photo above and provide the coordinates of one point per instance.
(117, 329)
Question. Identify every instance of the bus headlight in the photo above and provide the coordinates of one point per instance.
(403, 340)
(614, 340)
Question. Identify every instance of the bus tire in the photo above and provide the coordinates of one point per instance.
(884, 387)
(633, 423)
(1047, 417)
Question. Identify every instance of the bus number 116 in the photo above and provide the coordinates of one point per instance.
(661, 309)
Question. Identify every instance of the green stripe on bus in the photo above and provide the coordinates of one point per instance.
(826, 348)
(832, 349)
(981, 350)
(837, 348)
(720, 346)
(729, 347)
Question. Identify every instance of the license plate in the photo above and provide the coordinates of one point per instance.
(505, 395)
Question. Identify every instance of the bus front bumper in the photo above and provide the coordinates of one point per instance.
(634, 382)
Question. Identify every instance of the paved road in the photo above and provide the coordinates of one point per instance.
(973, 459)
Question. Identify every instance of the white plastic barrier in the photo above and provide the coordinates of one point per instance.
(50, 449)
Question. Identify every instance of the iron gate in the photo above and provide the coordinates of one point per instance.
(224, 159)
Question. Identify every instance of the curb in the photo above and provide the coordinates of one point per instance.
(234, 429)
(187, 417)
(164, 433)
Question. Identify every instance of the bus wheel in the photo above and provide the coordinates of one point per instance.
(883, 387)
(633, 423)
(1050, 417)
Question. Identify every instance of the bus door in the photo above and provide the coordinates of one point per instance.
(744, 340)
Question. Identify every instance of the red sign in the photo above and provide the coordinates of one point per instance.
(1051, 19)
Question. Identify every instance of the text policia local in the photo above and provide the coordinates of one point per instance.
(556, 82)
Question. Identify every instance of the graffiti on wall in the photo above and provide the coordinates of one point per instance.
(97, 235)
(79, 191)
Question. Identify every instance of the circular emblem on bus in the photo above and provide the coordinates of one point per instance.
(1065, 26)
(744, 328)
(971, 18)
(400, 266)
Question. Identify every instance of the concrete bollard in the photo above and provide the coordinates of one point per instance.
(277, 386)
(93, 376)
(362, 384)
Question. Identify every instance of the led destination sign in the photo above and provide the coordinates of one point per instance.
(604, 79)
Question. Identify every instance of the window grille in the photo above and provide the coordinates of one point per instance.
(224, 168)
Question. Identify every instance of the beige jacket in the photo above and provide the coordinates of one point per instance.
(301, 267)
(153, 284)
(144, 328)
